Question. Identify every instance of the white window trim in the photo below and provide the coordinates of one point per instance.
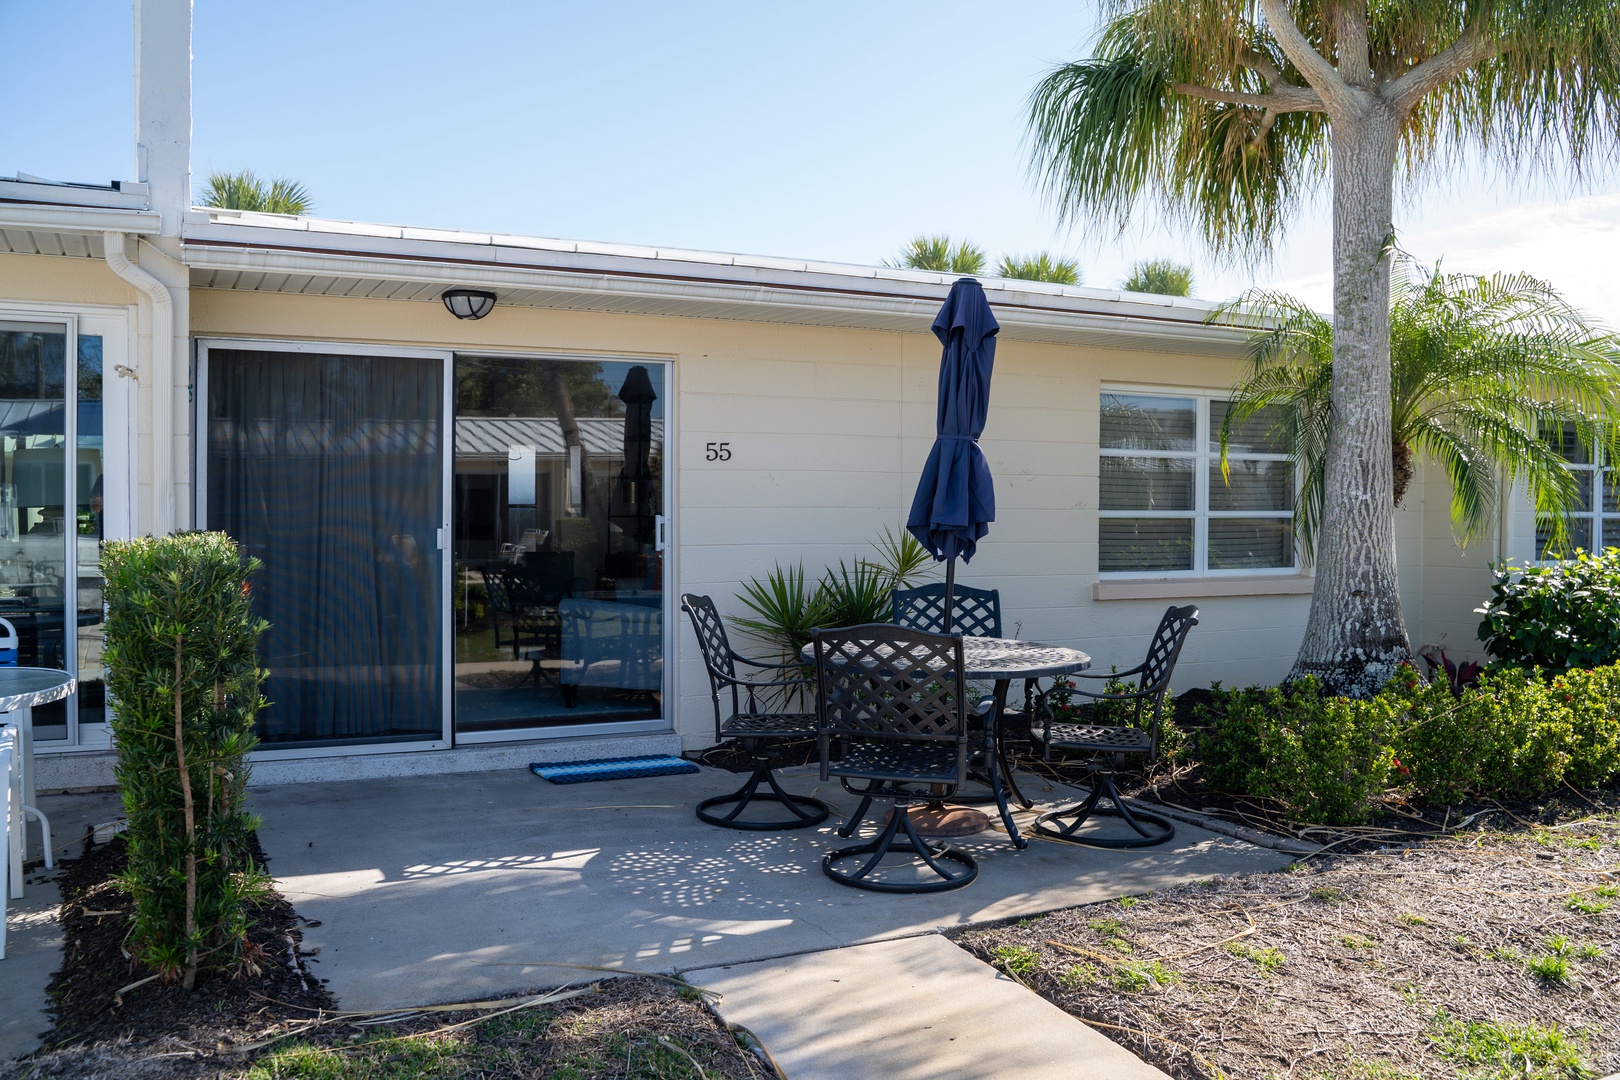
(1203, 459)
(1594, 514)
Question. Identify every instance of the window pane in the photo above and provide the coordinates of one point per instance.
(1583, 487)
(1252, 485)
(1146, 483)
(1145, 422)
(1250, 543)
(1580, 536)
(1611, 532)
(34, 518)
(1611, 493)
(1568, 446)
(1145, 544)
(1263, 433)
(92, 687)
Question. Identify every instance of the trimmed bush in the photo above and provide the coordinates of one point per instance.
(1332, 760)
(184, 679)
(1562, 615)
(1325, 758)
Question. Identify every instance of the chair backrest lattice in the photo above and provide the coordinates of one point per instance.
(890, 682)
(1166, 647)
(711, 637)
(977, 612)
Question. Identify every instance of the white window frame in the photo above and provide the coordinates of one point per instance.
(1203, 459)
(1596, 470)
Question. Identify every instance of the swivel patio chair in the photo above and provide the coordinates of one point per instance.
(897, 700)
(752, 724)
(1109, 746)
(975, 613)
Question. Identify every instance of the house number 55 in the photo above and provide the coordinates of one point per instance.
(718, 451)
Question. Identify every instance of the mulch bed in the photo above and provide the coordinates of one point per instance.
(617, 1027)
(1365, 966)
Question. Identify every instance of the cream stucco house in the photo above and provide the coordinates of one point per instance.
(475, 531)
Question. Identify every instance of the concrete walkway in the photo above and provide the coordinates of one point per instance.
(915, 1009)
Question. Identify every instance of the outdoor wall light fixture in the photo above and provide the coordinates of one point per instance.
(468, 303)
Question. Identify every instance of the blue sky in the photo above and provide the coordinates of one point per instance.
(832, 131)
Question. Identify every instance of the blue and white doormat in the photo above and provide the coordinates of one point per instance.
(579, 772)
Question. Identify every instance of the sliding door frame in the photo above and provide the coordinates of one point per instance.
(115, 328)
(446, 455)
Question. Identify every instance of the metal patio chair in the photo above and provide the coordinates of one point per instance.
(897, 699)
(752, 723)
(975, 613)
(1111, 745)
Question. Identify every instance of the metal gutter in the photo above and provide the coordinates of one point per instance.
(159, 378)
(78, 219)
(829, 297)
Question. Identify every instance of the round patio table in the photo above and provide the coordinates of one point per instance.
(22, 688)
(1002, 660)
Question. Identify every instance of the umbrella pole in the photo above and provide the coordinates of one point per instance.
(950, 590)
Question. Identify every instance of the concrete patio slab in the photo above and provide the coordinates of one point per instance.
(914, 1009)
(443, 888)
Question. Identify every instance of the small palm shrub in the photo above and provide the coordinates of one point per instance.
(1564, 614)
(183, 674)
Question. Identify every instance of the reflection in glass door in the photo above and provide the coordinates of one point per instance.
(558, 582)
(51, 516)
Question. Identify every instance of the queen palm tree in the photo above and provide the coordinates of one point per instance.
(1042, 266)
(939, 254)
(1483, 371)
(1228, 114)
(245, 191)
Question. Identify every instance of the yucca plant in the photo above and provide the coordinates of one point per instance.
(787, 608)
(183, 674)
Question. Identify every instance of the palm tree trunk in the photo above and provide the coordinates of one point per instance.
(1356, 636)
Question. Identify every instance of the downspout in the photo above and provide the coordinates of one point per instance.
(159, 378)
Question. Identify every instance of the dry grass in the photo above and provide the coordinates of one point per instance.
(1490, 954)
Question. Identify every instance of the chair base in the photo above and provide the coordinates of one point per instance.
(1063, 825)
(806, 811)
(889, 842)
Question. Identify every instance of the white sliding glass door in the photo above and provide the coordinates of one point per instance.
(328, 464)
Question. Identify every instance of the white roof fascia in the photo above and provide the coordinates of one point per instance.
(124, 196)
(387, 253)
(40, 217)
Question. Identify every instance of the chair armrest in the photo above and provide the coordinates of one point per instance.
(1137, 670)
(768, 664)
(1125, 696)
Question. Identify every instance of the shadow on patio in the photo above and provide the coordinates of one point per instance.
(452, 887)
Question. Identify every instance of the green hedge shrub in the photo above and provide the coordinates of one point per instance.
(1331, 760)
(1562, 615)
(184, 678)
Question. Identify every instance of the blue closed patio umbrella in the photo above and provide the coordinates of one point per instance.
(956, 499)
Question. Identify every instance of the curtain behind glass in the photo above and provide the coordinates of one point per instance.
(328, 470)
